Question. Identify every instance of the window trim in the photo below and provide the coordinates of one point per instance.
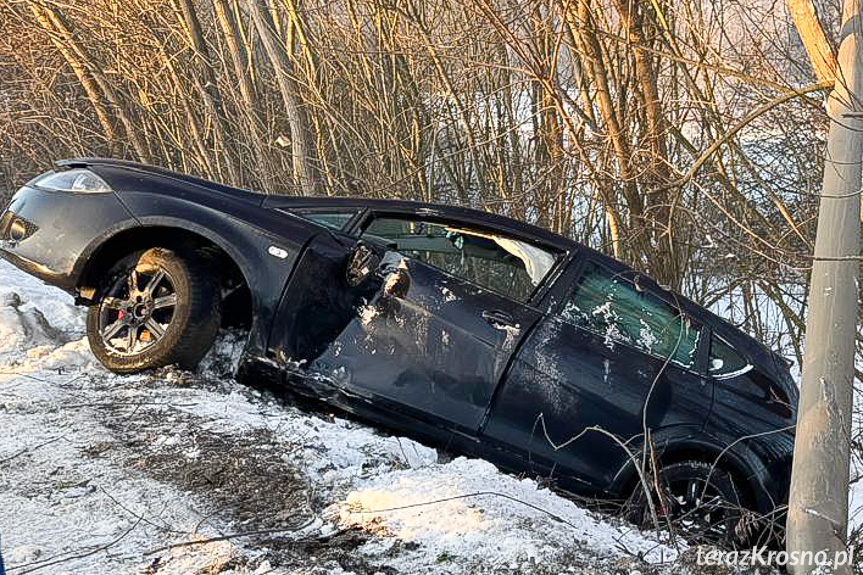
(561, 256)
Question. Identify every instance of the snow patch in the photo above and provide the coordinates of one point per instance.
(468, 509)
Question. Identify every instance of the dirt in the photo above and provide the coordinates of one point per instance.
(247, 480)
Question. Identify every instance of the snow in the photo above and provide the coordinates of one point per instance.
(855, 494)
(467, 508)
(102, 473)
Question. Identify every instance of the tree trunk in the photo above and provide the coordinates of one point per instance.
(209, 91)
(302, 142)
(814, 40)
(233, 40)
(199, 145)
(818, 505)
(84, 58)
(80, 73)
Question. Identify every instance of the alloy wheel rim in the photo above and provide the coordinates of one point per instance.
(137, 311)
(698, 511)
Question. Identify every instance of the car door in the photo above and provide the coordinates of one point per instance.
(586, 374)
(452, 307)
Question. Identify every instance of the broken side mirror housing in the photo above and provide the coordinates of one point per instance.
(363, 261)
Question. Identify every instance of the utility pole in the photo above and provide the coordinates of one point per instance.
(818, 505)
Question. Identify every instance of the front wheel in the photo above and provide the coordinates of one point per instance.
(157, 308)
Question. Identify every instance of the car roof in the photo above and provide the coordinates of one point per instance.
(426, 210)
(741, 340)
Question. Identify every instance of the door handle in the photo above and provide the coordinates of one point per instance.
(499, 318)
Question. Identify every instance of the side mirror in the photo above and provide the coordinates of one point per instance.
(362, 262)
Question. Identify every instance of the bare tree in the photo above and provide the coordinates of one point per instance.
(683, 137)
(814, 39)
(209, 89)
(302, 142)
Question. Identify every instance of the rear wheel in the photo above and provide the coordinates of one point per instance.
(698, 500)
(157, 308)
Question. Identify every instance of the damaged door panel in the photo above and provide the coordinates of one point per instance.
(435, 337)
(428, 346)
(317, 303)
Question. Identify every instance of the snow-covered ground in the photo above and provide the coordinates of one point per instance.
(181, 473)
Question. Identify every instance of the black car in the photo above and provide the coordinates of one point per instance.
(469, 330)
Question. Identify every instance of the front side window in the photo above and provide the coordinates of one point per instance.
(503, 264)
(620, 311)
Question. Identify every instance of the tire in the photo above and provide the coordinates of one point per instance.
(699, 502)
(156, 308)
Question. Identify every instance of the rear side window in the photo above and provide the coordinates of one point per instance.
(511, 267)
(725, 362)
(334, 220)
(611, 306)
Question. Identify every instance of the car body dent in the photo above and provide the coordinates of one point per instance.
(556, 396)
(438, 356)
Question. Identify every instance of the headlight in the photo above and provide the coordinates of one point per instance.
(77, 180)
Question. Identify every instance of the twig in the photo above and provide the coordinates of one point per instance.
(31, 448)
(138, 516)
(127, 404)
(49, 562)
(475, 494)
(231, 536)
